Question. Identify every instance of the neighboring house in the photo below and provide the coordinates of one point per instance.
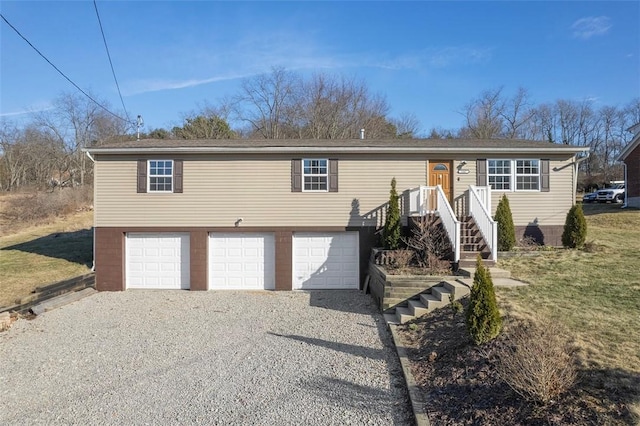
(303, 214)
(630, 156)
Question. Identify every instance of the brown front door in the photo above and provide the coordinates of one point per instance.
(440, 173)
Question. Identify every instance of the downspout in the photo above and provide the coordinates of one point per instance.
(93, 262)
(577, 163)
(624, 205)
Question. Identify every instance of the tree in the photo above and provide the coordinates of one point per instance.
(204, 127)
(264, 101)
(484, 115)
(392, 229)
(482, 316)
(574, 234)
(506, 228)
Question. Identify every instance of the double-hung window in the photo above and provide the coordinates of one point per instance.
(499, 174)
(527, 175)
(160, 175)
(514, 175)
(315, 175)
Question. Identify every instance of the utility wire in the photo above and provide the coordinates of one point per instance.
(110, 63)
(61, 73)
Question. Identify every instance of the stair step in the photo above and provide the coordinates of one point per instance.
(458, 289)
(441, 293)
(431, 302)
(417, 308)
(495, 272)
(391, 319)
(390, 302)
(404, 315)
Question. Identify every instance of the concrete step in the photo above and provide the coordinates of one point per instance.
(417, 308)
(403, 291)
(391, 319)
(390, 302)
(458, 288)
(442, 293)
(431, 302)
(495, 272)
(404, 315)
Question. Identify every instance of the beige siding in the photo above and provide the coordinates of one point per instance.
(220, 189)
(542, 208)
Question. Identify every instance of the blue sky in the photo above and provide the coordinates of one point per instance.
(427, 57)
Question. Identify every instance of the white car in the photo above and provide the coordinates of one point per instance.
(614, 194)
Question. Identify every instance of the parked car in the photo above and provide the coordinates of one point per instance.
(589, 198)
(614, 194)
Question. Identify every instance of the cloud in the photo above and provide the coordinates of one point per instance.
(585, 28)
(155, 85)
(29, 110)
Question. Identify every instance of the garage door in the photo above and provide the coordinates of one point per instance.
(157, 260)
(242, 261)
(325, 260)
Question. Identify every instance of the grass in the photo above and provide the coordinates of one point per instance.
(42, 254)
(595, 292)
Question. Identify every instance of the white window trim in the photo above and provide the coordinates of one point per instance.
(325, 175)
(149, 190)
(514, 174)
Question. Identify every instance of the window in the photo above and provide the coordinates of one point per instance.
(160, 175)
(315, 175)
(502, 173)
(527, 175)
(499, 174)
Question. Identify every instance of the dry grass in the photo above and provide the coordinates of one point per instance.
(41, 254)
(594, 292)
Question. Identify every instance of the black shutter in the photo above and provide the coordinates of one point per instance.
(177, 176)
(544, 176)
(142, 176)
(296, 175)
(333, 175)
(481, 172)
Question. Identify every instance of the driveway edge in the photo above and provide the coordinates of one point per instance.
(414, 395)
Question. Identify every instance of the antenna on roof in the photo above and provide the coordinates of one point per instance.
(139, 123)
(361, 133)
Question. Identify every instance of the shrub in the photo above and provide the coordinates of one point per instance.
(400, 259)
(41, 206)
(575, 228)
(431, 244)
(537, 361)
(506, 229)
(391, 232)
(482, 316)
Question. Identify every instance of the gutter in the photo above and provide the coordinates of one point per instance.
(332, 149)
(577, 165)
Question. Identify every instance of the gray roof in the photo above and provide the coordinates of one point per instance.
(332, 145)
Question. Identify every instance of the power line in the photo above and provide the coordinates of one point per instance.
(110, 63)
(61, 73)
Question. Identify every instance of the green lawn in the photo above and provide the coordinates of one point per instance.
(595, 292)
(44, 254)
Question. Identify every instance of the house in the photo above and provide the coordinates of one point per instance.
(630, 156)
(303, 214)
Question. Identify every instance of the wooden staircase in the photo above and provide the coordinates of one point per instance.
(471, 243)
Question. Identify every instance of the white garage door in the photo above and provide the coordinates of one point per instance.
(157, 260)
(325, 260)
(242, 261)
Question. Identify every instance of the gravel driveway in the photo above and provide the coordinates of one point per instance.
(179, 357)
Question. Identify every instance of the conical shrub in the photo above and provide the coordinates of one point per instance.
(482, 316)
(575, 228)
(392, 228)
(506, 229)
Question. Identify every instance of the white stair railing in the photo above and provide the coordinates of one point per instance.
(432, 199)
(479, 198)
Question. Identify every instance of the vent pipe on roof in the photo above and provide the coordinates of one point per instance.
(361, 133)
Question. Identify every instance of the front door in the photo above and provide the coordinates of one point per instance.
(440, 173)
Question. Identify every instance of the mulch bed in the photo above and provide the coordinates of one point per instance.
(461, 386)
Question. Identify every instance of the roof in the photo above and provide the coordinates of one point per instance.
(253, 146)
(635, 142)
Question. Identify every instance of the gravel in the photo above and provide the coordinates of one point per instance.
(178, 357)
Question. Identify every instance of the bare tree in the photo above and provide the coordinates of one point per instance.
(407, 125)
(484, 116)
(264, 100)
(516, 113)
